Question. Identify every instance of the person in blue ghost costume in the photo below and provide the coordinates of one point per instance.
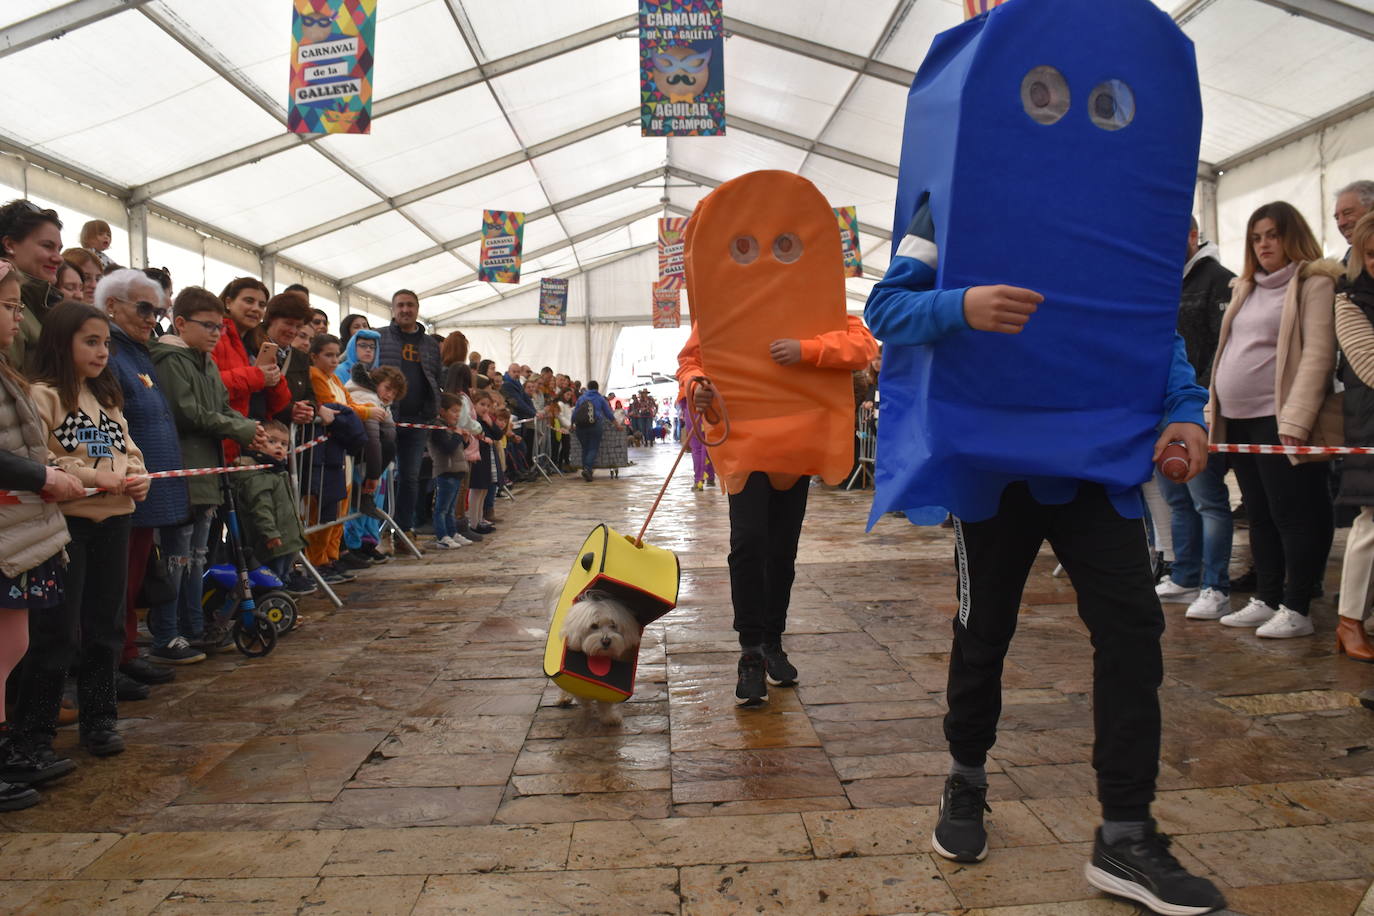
(1032, 373)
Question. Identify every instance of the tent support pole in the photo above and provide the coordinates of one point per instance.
(138, 236)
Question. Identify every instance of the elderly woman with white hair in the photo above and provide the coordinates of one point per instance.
(135, 303)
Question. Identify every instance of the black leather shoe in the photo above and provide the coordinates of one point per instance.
(102, 742)
(128, 690)
(145, 672)
(32, 765)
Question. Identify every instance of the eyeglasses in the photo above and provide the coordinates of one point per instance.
(13, 306)
(147, 309)
(210, 326)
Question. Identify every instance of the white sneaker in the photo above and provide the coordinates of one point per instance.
(1285, 624)
(442, 544)
(1210, 605)
(1171, 592)
(453, 542)
(1252, 615)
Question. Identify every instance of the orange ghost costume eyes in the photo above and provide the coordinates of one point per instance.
(764, 262)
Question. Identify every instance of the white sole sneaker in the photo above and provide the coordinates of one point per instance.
(1119, 887)
(1210, 605)
(946, 854)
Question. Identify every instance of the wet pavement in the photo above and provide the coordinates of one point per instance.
(404, 755)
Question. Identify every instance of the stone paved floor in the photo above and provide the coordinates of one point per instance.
(404, 755)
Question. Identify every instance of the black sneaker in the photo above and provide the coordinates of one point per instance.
(781, 672)
(217, 638)
(128, 690)
(299, 585)
(352, 560)
(145, 672)
(176, 652)
(752, 687)
(1246, 582)
(1142, 869)
(16, 796)
(32, 764)
(484, 529)
(102, 742)
(469, 534)
(959, 833)
(374, 556)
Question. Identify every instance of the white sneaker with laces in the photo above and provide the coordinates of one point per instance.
(1171, 592)
(460, 540)
(1285, 624)
(442, 544)
(455, 541)
(1254, 613)
(1210, 605)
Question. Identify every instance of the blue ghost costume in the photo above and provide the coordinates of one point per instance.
(1086, 204)
(1052, 145)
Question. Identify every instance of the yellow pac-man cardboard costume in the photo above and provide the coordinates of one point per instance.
(644, 578)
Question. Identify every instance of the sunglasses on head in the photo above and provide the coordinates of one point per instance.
(34, 208)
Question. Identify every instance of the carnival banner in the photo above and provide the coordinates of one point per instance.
(331, 66)
(979, 7)
(681, 68)
(503, 235)
(667, 307)
(553, 301)
(849, 240)
(672, 264)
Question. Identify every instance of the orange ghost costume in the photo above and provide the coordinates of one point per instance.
(764, 263)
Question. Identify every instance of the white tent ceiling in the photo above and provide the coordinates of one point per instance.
(530, 105)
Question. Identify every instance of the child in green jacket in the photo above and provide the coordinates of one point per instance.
(266, 504)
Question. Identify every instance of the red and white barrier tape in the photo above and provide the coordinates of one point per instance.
(1234, 449)
(11, 498)
(452, 428)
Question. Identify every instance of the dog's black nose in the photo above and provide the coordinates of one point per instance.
(605, 642)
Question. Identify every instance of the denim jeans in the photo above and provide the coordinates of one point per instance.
(589, 437)
(446, 490)
(184, 549)
(410, 454)
(1202, 527)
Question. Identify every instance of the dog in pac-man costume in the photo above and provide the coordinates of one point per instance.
(610, 568)
(771, 341)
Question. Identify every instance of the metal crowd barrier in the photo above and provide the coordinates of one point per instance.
(543, 448)
(866, 436)
(304, 470)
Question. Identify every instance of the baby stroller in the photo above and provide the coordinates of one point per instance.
(229, 591)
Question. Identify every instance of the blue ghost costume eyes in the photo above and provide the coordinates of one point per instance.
(1052, 145)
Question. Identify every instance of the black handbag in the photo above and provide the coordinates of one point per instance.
(158, 587)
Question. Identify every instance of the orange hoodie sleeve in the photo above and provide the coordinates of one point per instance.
(689, 363)
(852, 348)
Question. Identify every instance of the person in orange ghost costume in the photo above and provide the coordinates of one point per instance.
(770, 334)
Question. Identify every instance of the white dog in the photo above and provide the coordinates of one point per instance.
(598, 625)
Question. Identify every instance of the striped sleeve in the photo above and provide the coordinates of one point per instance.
(1356, 337)
(905, 307)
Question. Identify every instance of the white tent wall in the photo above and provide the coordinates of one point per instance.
(493, 343)
(1306, 173)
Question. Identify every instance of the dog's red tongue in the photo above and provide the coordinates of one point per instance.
(599, 665)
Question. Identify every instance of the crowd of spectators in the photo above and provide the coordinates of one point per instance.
(108, 377)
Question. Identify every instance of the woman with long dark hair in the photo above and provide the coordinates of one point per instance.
(1272, 385)
(31, 239)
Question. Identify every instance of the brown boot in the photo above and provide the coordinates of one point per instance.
(1352, 641)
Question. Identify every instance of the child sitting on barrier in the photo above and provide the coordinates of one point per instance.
(266, 504)
(376, 389)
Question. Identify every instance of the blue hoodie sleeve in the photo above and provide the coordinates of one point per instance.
(603, 407)
(1185, 399)
(905, 308)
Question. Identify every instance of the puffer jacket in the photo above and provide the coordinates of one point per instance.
(30, 533)
(389, 353)
(200, 406)
(1206, 293)
(153, 428)
(267, 508)
(242, 378)
(38, 296)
